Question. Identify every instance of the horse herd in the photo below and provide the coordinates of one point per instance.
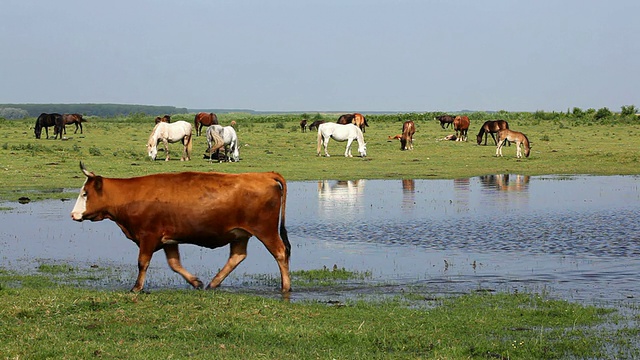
(59, 122)
(352, 126)
(348, 127)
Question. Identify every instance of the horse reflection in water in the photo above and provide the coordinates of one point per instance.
(505, 182)
(340, 198)
(408, 193)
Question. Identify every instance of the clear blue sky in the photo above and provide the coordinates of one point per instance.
(330, 55)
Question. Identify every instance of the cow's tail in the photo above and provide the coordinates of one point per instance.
(283, 230)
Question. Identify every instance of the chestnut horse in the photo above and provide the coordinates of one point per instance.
(461, 126)
(491, 127)
(406, 140)
(165, 118)
(75, 119)
(204, 119)
(356, 118)
(513, 136)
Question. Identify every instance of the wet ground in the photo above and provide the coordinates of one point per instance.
(574, 237)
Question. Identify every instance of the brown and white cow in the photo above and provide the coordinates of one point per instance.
(161, 211)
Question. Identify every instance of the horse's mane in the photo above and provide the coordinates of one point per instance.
(153, 132)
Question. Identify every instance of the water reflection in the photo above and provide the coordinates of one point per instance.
(577, 236)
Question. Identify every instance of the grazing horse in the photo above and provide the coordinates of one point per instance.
(229, 139)
(491, 127)
(75, 119)
(357, 119)
(513, 136)
(315, 124)
(303, 125)
(165, 118)
(204, 119)
(45, 121)
(406, 139)
(340, 132)
(461, 126)
(445, 119)
(170, 133)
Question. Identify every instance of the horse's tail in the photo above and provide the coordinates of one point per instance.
(188, 145)
(319, 141)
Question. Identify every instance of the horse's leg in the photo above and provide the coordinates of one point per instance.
(173, 259)
(499, 148)
(347, 151)
(166, 148)
(326, 144)
(518, 149)
(492, 136)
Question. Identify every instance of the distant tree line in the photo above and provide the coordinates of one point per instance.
(19, 111)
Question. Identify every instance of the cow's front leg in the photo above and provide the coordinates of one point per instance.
(144, 258)
(173, 259)
(237, 253)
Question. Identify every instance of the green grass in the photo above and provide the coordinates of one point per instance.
(54, 313)
(60, 321)
(116, 148)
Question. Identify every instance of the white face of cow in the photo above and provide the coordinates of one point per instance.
(81, 205)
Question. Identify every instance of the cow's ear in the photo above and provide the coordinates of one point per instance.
(97, 183)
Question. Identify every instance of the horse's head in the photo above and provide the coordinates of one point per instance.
(479, 138)
(152, 150)
(362, 149)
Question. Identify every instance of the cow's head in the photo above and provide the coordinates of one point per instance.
(90, 189)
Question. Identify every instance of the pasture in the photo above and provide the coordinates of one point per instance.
(116, 147)
(60, 320)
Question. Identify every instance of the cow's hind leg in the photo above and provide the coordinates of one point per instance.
(237, 253)
(277, 248)
(173, 259)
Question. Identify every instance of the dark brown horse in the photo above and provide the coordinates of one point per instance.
(315, 124)
(165, 118)
(356, 118)
(303, 125)
(204, 119)
(75, 119)
(491, 127)
(45, 121)
(406, 140)
(461, 126)
(445, 119)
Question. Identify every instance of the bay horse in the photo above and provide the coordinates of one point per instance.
(165, 118)
(45, 121)
(303, 125)
(356, 118)
(340, 132)
(170, 133)
(315, 124)
(513, 136)
(229, 139)
(406, 139)
(204, 119)
(75, 119)
(461, 126)
(491, 127)
(445, 119)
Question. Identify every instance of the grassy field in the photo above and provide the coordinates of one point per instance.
(116, 148)
(48, 315)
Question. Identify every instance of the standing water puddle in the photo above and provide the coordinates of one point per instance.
(575, 237)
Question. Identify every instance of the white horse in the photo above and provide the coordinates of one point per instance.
(340, 132)
(170, 133)
(229, 138)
